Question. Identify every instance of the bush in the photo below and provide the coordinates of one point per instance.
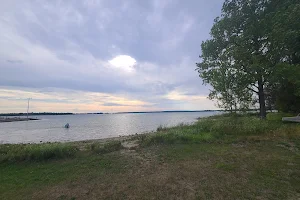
(37, 152)
(107, 147)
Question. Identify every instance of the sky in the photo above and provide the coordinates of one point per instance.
(103, 55)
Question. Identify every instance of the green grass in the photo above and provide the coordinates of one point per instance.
(19, 180)
(278, 116)
(227, 128)
(36, 152)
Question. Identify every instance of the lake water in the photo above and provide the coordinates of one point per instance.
(87, 127)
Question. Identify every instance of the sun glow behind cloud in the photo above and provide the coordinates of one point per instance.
(123, 62)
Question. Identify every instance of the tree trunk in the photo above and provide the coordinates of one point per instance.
(261, 98)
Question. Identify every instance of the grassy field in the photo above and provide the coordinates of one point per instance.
(222, 157)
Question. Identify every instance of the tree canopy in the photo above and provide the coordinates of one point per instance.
(254, 48)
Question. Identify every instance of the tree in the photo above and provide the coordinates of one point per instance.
(245, 43)
(284, 37)
(230, 96)
(238, 43)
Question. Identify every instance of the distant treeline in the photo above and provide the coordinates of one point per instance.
(40, 113)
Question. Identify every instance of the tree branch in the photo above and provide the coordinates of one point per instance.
(252, 84)
(249, 88)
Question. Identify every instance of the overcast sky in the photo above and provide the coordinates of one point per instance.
(106, 55)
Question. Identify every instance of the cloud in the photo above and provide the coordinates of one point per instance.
(123, 62)
(113, 104)
(178, 96)
(14, 61)
(141, 51)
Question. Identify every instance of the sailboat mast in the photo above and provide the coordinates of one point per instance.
(28, 107)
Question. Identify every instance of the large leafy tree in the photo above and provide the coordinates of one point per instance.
(246, 46)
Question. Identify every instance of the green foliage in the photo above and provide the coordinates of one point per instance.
(255, 44)
(284, 35)
(286, 98)
(37, 152)
(107, 147)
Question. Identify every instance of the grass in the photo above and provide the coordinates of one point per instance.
(222, 157)
(107, 147)
(227, 128)
(51, 151)
(279, 116)
(36, 152)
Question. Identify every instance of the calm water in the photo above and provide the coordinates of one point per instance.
(86, 127)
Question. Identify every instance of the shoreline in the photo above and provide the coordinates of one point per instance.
(88, 141)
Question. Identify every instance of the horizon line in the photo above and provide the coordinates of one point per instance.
(21, 113)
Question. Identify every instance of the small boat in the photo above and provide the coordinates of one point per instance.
(67, 125)
(292, 119)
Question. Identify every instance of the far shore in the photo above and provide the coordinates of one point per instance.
(15, 119)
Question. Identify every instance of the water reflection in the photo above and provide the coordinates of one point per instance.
(86, 127)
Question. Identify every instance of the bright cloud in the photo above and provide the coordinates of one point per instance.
(123, 62)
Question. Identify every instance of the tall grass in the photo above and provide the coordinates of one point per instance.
(42, 152)
(38, 152)
(216, 128)
(237, 125)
